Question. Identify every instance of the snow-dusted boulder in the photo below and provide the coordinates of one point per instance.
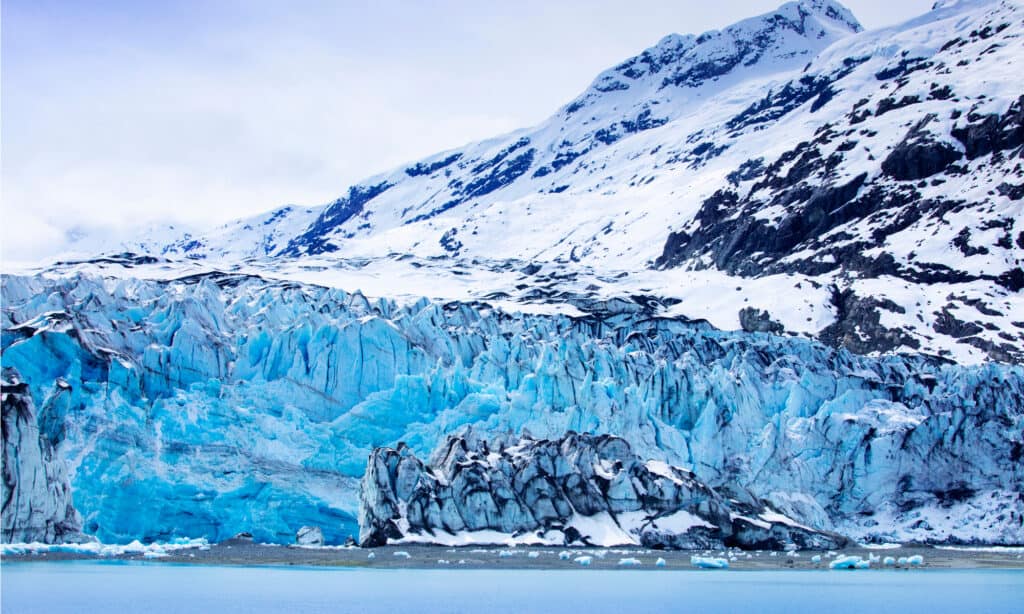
(579, 489)
(309, 536)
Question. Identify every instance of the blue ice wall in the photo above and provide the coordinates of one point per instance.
(224, 404)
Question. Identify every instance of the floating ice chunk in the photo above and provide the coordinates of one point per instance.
(816, 558)
(564, 555)
(850, 562)
(916, 560)
(584, 560)
(888, 561)
(504, 554)
(885, 546)
(372, 555)
(533, 555)
(874, 558)
(706, 562)
(660, 562)
(629, 562)
(403, 554)
(901, 561)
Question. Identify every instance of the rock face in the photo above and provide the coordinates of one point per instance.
(309, 536)
(579, 489)
(37, 505)
(222, 403)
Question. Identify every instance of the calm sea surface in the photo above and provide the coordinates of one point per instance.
(155, 589)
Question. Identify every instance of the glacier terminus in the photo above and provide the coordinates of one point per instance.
(758, 287)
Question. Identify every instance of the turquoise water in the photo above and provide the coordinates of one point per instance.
(156, 589)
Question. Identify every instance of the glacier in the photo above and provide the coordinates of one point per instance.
(220, 403)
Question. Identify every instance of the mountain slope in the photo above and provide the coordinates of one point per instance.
(862, 188)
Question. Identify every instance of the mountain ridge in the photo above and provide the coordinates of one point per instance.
(869, 181)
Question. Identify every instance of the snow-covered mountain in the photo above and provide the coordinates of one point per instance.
(749, 253)
(862, 188)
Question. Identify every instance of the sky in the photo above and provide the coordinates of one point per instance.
(118, 114)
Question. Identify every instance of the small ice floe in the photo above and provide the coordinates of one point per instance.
(403, 554)
(564, 555)
(600, 553)
(901, 561)
(850, 562)
(584, 560)
(816, 558)
(917, 560)
(707, 562)
(831, 553)
(874, 558)
(888, 561)
(629, 562)
(443, 562)
(372, 555)
(504, 554)
(462, 561)
(533, 554)
(660, 563)
(154, 554)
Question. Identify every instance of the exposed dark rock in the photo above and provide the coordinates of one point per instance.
(857, 325)
(755, 320)
(37, 504)
(428, 168)
(948, 324)
(986, 134)
(919, 155)
(547, 488)
(315, 240)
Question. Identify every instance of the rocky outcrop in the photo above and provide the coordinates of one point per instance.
(579, 489)
(37, 504)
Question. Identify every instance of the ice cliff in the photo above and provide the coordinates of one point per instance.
(214, 404)
(579, 489)
(37, 505)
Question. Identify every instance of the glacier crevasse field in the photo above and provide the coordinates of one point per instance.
(217, 404)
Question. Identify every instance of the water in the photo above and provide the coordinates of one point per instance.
(157, 589)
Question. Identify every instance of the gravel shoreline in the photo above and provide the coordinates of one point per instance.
(242, 552)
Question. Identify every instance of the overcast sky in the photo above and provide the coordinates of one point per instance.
(118, 113)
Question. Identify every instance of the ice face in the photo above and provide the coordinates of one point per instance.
(221, 404)
(37, 503)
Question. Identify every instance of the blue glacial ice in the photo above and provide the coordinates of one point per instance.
(219, 404)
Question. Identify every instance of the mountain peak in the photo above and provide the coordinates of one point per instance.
(793, 32)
